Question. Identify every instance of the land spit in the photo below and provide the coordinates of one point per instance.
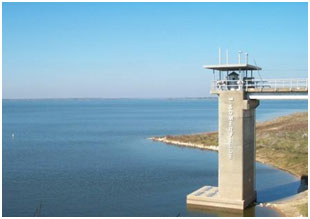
(281, 142)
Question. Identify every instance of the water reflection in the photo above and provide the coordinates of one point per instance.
(278, 192)
(271, 185)
(221, 212)
(254, 211)
(303, 184)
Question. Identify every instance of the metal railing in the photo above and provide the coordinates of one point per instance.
(265, 84)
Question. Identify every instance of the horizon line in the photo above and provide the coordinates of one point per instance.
(107, 98)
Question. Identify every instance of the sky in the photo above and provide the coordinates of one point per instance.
(143, 50)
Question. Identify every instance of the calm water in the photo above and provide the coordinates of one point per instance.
(92, 157)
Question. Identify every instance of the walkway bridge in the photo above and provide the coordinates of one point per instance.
(265, 88)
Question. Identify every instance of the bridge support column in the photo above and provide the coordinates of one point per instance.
(236, 187)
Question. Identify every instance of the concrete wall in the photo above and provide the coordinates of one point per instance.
(237, 146)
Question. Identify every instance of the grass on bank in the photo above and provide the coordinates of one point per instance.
(282, 142)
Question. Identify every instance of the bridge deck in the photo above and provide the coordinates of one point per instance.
(277, 90)
(271, 90)
(274, 86)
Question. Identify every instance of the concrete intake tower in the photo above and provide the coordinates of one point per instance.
(239, 94)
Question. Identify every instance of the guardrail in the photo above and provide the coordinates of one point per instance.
(265, 84)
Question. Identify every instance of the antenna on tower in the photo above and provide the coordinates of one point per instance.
(227, 56)
(220, 56)
(246, 58)
(239, 56)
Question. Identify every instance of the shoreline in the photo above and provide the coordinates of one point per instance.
(212, 148)
(285, 208)
(185, 144)
(292, 206)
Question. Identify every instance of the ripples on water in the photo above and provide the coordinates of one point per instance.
(92, 157)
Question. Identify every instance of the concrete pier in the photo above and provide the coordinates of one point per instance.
(236, 185)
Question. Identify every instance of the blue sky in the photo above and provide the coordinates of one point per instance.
(144, 50)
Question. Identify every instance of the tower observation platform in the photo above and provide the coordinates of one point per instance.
(239, 94)
(240, 77)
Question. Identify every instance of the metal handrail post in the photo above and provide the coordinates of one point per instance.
(297, 84)
(275, 85)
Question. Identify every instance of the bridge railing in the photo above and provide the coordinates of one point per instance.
(265, 84)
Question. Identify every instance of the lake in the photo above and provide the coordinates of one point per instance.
(91, 157)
